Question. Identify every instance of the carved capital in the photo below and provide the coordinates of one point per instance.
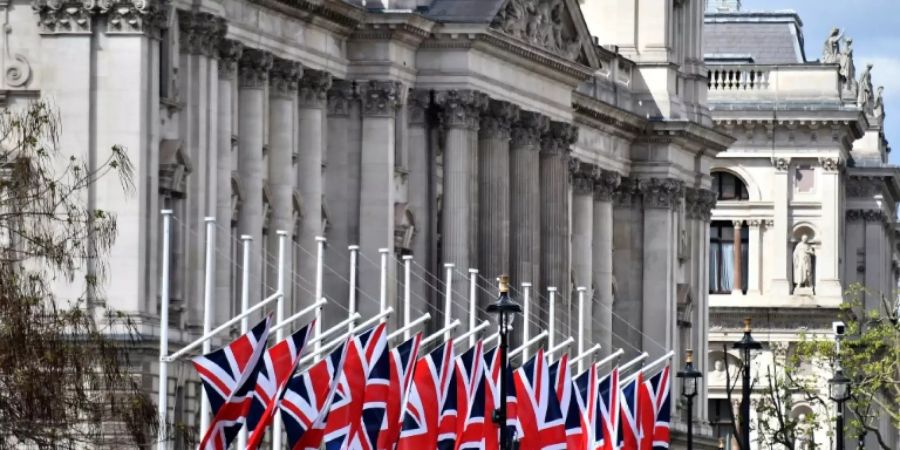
(418, 101)
(629, 191)
(769, 223)
(229, 54)
(314, 88)
(782, 164)
(133, 16)
(855, 215)
(380, 98)
(737, 224)
(55, 16)
(831, 164)
(284, 76)
(754, 223)
(527, 131)
(864, 187)
(605, 184)
(874, 215)
(340, 97)
(461, 108)
(253, 68)
(200, 33)
(558, 139)
(662, 193)
(497, 121)
(582, 175)
(706, 201)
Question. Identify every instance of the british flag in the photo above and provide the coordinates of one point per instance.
(307, 400)
(402, 360)
(630, 433)
(561, 376)
(608, 418)
(470, 398)
(228, 375)
(587, 389)
(279, 364)
(538, 408)
(513, 427)
(431, 405)
(656, 410)
(357, 411)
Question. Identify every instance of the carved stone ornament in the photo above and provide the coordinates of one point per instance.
(855, 215)
(545, 24)
(380, 98)
(200, 32)
(705, 203)
(55, 16)
(662, 193)
(582, 176)
(133, 16)
(174, 167)
(782, 164)
(628, 193)
(461, 108)
(830, 164)
(284, 76)
(874, 215)
(605, 184)
(340, 96)
(527, 131)
(558, 139)
(497, 121)
(254, 67)
(864, 187)
(314, 88)
(229, 54)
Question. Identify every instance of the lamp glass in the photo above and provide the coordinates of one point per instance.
(839, 387)
(690, 386)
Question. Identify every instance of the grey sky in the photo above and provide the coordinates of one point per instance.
(874, 26)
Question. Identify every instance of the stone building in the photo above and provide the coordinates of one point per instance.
(565, 142)
(806, 200)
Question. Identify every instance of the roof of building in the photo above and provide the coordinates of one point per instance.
(464, 10)
(772, 37)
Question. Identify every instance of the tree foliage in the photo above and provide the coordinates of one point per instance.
(65, 375)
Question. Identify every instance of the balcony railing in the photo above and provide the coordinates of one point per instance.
(815, 83)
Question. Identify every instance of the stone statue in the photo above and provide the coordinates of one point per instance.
(848, 70)
(878, 109)
(803, 267)
(866, 97)
(831, 51)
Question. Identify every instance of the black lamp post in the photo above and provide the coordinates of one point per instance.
(745, 345)
(689, 376)
(839, 391)
(506, 311)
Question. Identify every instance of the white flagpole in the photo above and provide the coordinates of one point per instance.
(634, 361)
(526, 315)
(472, 332)
(582, 356)
(445, 331)
(409, 326)
(569, 341)
(382, 297)
(279, 318)
(354, 254)
(647, 367)
(473, 307)
(407, 277)
(552, 316)
(529, 343)
(287, 322)
(163, 400)
(618, 353)
(245, 306)
(581, 290)
(207, 309)
(448, 300)
(378, 317)
(320, 263)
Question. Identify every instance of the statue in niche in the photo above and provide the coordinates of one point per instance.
(803, 265)
(848, 69)
(831, 51)
(866, 97)
(879, 103)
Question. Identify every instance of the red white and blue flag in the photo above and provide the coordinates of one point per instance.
(471, 401)
(608, 417)
(228, 376)
(631, 436)
(513, 427)
(429, 420)
(561, 376)
(279, 364)
(657, 404)
(538, 408)
(307, 400)
(402, 361)
(587, 390)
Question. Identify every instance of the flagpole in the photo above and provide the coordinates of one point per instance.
(320, 263)
(353, 317)
(472, 332)
(407, 276)
(382, 296)
(634, 361)
(552, 316)
(569, 341)
(354, 253)
(581, 290)
(279, 318)
(245, 306)
(163, 399)
(473, 307)
(207, 309)
(648, 367)
(443, 331)
(287, 322)
(448, 300)
(582, 356)
(409, 326)
(377, 318)
(527, 344)
(618, 353)
(526, 315)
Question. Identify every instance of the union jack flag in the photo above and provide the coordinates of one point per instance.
(402, 359)
(307, 400)
(657, 404)
(470, 395)
(431, 405)
(630, 433)
(358, 409)
(587, 389)
(279, 364)
(513, 427)
(228, 375)
(608, 417)
(538, 408)
(569, 405)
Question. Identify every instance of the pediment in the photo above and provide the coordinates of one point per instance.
(555, 26)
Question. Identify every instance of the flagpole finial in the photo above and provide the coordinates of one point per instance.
(504, 283)
(747, 322)
(721, 443)
(689, 356)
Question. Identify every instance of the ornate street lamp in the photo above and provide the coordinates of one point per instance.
(721, 443)
(506, 311)
(689, 376)
(745, 345)
(839, 391)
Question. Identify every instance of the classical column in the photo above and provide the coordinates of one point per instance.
(738, 285)
(282, 92)
(628, 272)
(582, 243)
(420, 191)
(876, 247)
(755, 257)
(380, 100)
(229, 53)
(605, 183)
(781, 284)
(460, 114)
(828, 261)
(253, 75)
(554, 183)
(493, 192)
(524, 204)
(311, 102)
(855, 246)
(661, 197)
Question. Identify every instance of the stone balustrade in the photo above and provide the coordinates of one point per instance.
(774, 83)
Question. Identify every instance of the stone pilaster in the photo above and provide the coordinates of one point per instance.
(738, 287)
(628, 272)
(583, 175)
(781, 284)
(554, 181)
(754, 253)
(605, 183)
(524, 206)
(421, 193)
(134, 16)
(200, 33)
(828, 262)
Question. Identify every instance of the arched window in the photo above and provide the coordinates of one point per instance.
(722, 248)
(729, 187)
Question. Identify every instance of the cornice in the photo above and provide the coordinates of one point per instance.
(335, 15)
(604, 113)
(410, 28)
(688, 134)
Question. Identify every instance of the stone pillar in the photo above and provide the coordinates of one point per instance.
(461, 112)
(605, 183)
(254, 67)
(282, 92)
(554, 182)
(582, 245)
(874, 268)
(828, 260)
(781, 283)
(524, 206)
(311, 102)
(628, 272)
(380, 100)
(755, 257)
(661, 196)
(700, 205)
(229, 53)
(854, 268)
(420, 194)
(494, 193)
(738, 286)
